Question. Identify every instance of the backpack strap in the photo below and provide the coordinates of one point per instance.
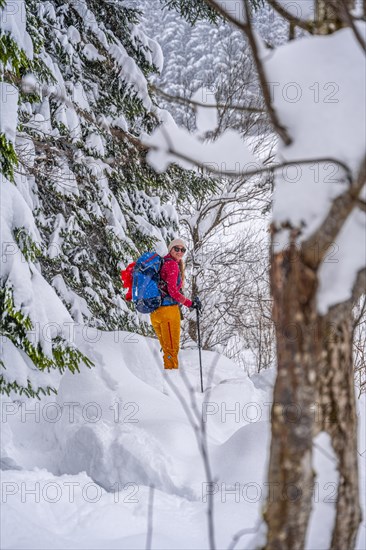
(163, 284)
(163, 287)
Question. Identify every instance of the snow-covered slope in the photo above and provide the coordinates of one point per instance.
(121, 426)
(77, 467)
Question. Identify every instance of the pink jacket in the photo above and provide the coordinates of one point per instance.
(169, 273)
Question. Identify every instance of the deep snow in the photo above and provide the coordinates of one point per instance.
(77, 467)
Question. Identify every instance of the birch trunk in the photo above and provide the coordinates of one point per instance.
(315, 373)
(314, 362)
(336, 395)
(291, 477)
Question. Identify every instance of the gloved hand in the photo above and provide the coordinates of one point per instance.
(196, 304)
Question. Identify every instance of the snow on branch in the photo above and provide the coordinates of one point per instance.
(170, 143)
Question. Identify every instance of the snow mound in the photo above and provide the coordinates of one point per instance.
(78, 467)
(119, 422)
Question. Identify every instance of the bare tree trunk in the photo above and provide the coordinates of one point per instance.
(315, 363)
(311, 362)
(336, 396)
(291, 477)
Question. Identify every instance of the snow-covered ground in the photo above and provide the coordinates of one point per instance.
(77, 467)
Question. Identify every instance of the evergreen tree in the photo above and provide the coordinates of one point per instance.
(79, 200)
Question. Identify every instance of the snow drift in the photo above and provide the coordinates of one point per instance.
(78, 467)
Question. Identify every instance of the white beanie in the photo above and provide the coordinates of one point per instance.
(176, 242)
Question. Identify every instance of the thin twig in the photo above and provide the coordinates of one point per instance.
(205, 455)
(248, 30)
(350, 21)
(226, 15)
(243, 532)
(357, 320)
(150, 510)
(202, 445)
(303, 24)
(325, 453)
(191, 103)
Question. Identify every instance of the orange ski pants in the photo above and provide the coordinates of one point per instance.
(166, 323)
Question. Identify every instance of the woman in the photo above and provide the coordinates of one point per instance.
(166, 319)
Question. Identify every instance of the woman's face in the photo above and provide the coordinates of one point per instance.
(177, 252)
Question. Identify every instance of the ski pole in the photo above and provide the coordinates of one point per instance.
(199, 346)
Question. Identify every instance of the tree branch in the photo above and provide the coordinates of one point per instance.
(281, 130)
(226, 15)
(141, 147)
(349, 19)
(360, 283)
(339, 212)
(361, 204)
(191, 103)
(248, 30)
(303, 24)
(249, 173)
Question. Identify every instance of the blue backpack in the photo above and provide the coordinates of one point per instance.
(146, 292)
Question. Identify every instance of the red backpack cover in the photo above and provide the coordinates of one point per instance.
(127, 277)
